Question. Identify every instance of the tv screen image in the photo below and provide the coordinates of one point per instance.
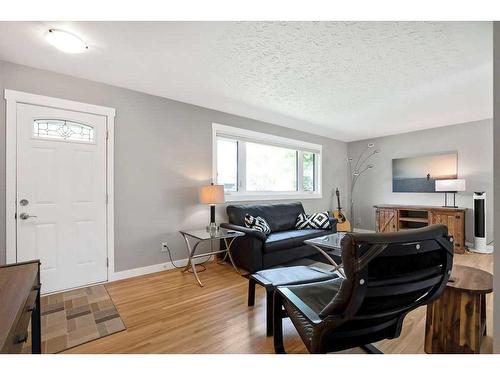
(418, 174)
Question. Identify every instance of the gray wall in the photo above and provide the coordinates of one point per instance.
(163, 155)
(496, 115)
(474, 144)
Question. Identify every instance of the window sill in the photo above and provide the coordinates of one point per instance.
(270, 197)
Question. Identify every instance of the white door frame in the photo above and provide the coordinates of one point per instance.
(12, 98)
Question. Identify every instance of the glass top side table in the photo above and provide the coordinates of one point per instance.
(329, 245)
(202, 235)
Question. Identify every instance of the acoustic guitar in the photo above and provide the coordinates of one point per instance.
(343, 225)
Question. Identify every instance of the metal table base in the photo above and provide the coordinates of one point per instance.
(329, 245)
(191, 248)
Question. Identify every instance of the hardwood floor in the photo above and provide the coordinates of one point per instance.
(168, 312)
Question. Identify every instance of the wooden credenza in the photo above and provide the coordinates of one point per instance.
(393, 218)
(20, 303)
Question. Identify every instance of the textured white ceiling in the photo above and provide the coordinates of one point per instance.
(344, 80)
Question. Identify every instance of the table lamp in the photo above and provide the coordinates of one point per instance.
(450, 186)
(212, 195)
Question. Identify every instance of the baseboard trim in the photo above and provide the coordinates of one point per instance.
(140, 271)
(489, 248)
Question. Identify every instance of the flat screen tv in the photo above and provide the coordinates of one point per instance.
(418, 174)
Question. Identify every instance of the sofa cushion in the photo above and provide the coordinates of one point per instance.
(286, 256)
(290, 239)
(280, 217)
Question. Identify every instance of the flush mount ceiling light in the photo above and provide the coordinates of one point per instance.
(65, 41)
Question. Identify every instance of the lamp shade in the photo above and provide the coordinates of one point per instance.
(212, 194)
(450, 185)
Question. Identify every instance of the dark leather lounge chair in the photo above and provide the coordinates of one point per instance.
(387, 276)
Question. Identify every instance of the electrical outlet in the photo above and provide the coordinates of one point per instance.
(358, 221)
(164, 247)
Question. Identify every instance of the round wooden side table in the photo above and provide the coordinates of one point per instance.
(456, 322)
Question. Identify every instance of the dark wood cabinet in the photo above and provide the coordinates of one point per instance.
(393, 218)
(20, 303)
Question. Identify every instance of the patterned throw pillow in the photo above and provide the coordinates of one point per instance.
(257, 223)
(318, 220)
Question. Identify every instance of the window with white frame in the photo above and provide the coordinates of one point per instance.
(255, 166)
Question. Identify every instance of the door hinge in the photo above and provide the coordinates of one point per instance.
(107, 134)
(107, 262)
(107, 198)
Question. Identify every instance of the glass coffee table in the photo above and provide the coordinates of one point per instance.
(202, 235)
(329, 245)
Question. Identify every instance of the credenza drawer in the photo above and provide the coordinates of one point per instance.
(19, 296)
(20, 335)
(13, 348)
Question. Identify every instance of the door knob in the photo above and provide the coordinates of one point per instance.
(25, 216)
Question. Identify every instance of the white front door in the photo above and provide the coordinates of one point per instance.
(61, 195)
